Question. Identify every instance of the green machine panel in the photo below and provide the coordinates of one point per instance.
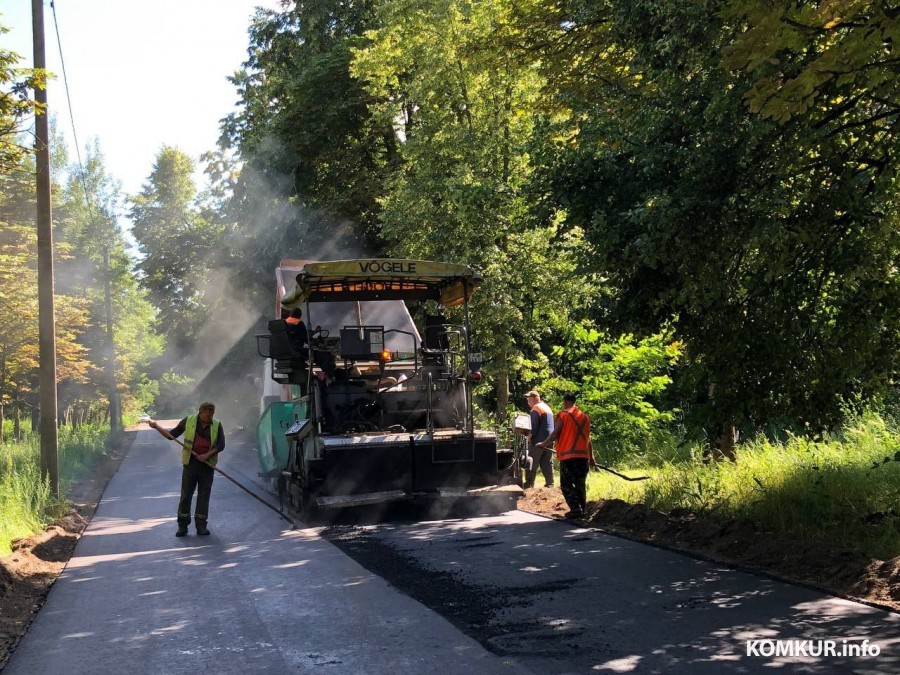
(271, 443)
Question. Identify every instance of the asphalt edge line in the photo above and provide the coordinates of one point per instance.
(772, 576)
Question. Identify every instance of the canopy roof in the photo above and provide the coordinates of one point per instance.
(382, 279)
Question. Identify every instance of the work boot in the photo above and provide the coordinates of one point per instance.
(202, 530)
(181, 531)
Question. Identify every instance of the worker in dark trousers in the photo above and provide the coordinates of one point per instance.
(204, 439)
(541, 427)
(297, 332)
(574, 451)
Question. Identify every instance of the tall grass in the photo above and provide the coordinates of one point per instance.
(26, 502)
(829, 490)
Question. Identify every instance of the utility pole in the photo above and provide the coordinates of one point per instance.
(46, 322)
(114, 414)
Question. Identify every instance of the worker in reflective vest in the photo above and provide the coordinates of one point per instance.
(572, 433)
(204, 439)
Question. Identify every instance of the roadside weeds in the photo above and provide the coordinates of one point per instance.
(28, 573)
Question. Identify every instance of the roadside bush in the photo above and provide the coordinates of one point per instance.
(840, 489)
(619, 382)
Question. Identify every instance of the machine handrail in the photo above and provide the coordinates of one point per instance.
(416, 367)
(429, 404)
(268, 337)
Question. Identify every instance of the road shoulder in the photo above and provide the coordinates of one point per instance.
(28, 573)
(842, 572)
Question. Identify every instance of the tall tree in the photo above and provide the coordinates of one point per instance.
(15, 104)
(88, 212)
(767, 246)
(178, 245)
(313, 158)
(465, 112)
(18, 331)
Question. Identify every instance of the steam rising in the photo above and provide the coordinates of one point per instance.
(224, 362)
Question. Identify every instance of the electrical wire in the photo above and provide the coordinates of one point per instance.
(83, 175)
(92, 216)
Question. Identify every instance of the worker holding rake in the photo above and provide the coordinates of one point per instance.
(572, 433)
(204, 439)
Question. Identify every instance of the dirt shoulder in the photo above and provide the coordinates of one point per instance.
(27, 573)
(842, 572)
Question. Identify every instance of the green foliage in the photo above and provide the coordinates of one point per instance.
(87, 214)
(465, 113)
(141, 398)
(19, 361)
(771, 249)
(175, 392)
(86, 206)
(179, 247)
(15, 105)
(832, 61)
(619, 382)
(26, 501)
(716, 169)
(826, 490)
(312, 156)
(18, 330)
(24, 497)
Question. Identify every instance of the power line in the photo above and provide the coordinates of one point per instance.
(114, 413)
(62, 60)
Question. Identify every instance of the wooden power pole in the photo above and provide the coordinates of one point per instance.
(46, 322)
(115, 416)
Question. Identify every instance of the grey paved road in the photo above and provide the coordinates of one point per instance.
(253, 597)
(515, 594)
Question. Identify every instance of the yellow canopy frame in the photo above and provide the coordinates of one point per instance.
(382, 279)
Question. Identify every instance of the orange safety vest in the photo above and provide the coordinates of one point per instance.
(574, 437)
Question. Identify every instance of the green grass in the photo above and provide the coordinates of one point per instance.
(827, 490)
(26, 503)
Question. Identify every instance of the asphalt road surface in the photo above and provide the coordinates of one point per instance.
(514, 593)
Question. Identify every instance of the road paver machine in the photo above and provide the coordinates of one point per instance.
(371, 411)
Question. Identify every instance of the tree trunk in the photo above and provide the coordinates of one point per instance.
(722, 444)
(1, 423)
(727, 444)
(723, 439)
(17, 420)
(503, 391)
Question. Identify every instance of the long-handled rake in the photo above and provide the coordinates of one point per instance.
(598, 467)
(262, 501)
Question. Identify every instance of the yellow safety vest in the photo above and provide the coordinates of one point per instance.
(190, 431)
